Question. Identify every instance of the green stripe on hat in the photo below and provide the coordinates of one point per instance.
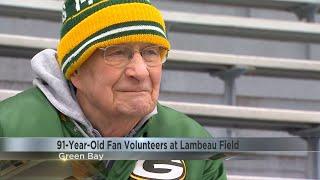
(114, 27)
(124, 30)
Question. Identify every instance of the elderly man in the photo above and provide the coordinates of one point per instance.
(104, 81)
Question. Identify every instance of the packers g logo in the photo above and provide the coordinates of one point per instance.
(159, 170)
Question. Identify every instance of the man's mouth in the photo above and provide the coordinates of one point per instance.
(133, 91)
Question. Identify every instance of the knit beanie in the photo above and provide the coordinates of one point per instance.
(91, 24)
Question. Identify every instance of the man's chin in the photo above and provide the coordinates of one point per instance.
(136, 109)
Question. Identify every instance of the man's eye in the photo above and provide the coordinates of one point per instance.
(151, 52)
(116, 53)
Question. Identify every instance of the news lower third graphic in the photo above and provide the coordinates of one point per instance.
(139, 148)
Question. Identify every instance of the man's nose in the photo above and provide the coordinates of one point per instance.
(137, 68)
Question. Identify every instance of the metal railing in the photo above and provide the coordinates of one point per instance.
(304, 9)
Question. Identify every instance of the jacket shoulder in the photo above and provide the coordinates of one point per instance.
(29, 114)
(171, 123)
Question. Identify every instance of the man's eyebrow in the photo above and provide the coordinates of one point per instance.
(141, 46)
(149, 45)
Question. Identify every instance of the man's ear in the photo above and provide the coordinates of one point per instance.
(75, 79)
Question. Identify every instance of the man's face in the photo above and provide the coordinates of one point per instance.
(131, 90)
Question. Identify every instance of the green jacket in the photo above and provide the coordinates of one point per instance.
(30, 114)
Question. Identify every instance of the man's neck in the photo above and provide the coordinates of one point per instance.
(117, 127)
(107, 124)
